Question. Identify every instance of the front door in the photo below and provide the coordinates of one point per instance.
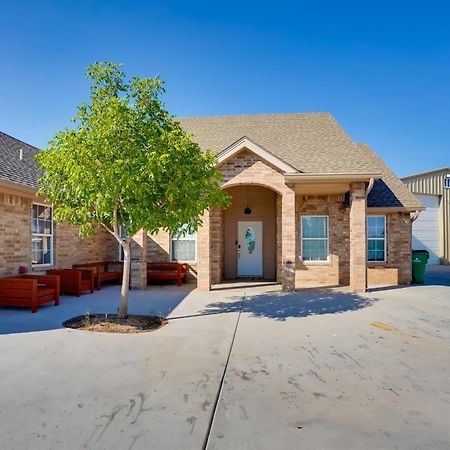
(250, 254)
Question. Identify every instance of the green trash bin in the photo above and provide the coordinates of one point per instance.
(419, 264)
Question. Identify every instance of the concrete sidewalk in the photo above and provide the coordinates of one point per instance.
(313, 370)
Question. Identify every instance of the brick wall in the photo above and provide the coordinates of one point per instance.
(358, 235)
(239, 163)
(246, 169)
(159, 247)
(15, 233)
(397, 269)
(335, 271)
(68, 247)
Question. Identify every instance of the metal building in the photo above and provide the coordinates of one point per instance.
(431, 231)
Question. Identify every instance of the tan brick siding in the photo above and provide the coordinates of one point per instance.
(241, 162)
(398, 230)
(336, 271)
(159, 247)
(68, 247)
(358, 234)
(217, 233)
(15, 233)
(71, 249)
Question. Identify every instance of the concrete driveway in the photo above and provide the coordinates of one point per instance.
(237, 368)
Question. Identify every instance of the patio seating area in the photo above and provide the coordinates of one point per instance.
(33, 290)
(155, 300)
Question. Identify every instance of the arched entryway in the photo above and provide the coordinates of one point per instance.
(248, 233)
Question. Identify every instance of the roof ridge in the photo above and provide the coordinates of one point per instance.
(316, 113)
(426, 172)
(18, 140)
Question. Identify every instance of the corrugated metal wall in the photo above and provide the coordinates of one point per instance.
(432, 183)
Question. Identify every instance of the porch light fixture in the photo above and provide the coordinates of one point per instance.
(247, 210)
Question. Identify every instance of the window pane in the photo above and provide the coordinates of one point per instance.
(47, 259)
(47, 226)
(314, 227)
(37, 250)
(183, 234)
(376, 250)
(41, 226)
(375, 227)
(41, 212)
(183, 250)
(315, 250)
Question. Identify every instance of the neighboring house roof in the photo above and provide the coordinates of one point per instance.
(431, 182)
(309, 142)
(13, 169)
(389, 191)
(443, 170)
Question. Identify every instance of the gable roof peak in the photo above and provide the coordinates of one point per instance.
(246, 143)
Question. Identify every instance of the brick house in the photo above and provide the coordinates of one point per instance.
(310, 208)
(28, 235)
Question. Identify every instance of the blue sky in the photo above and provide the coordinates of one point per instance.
(381, 68)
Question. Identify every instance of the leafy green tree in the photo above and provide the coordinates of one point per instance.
(127, 163)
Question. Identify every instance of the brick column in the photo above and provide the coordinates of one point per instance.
(288, 240)
(204, 255)
(358, 237)
(216, 245)
(139, 260)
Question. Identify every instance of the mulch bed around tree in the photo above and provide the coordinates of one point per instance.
(110, 323)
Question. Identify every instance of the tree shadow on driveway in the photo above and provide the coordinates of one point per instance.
(283, 305)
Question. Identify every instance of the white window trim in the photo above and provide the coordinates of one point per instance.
(320, 261)
(187, 260)
(50, 264)
(377, 239)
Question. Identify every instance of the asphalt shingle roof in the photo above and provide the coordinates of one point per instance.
(21, 171)
(310, 142)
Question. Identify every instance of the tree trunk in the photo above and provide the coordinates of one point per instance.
(123, 307)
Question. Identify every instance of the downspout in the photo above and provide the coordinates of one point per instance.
(370, 186)
(415, 216)
(368, 189)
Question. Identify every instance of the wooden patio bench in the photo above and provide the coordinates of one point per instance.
(167, 271)
(29, 290)
(74, 281)
(101, 271)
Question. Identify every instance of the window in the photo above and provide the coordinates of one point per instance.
(376, 238)
(42, 234)
(183, 246)
(314, 232)
(447, 182)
